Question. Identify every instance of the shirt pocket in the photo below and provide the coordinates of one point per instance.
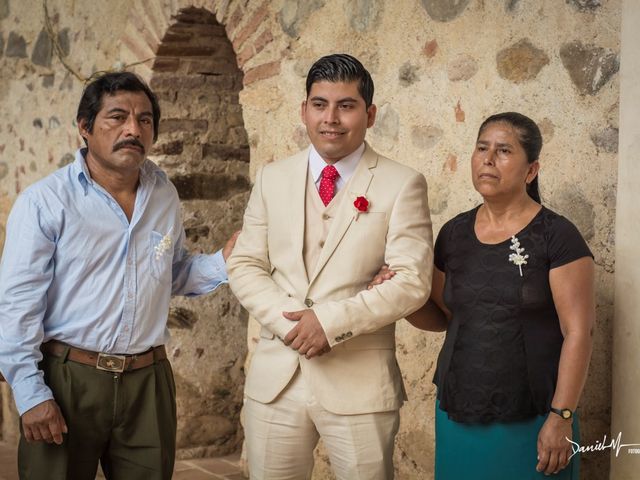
(161, 256)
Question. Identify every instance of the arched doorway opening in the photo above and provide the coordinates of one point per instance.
(203, 147)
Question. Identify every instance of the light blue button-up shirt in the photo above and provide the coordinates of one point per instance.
(74, 269)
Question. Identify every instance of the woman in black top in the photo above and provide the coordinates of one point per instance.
(513, 288)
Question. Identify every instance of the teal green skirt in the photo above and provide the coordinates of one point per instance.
(496, 451)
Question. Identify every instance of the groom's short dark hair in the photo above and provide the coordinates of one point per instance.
(340, 67)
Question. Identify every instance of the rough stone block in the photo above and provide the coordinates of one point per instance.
(47, 81)
(1, 45)
(425, 138)
(585, 5)
(293, 14)
(4, 9)
(16, 46)
(180, 317)
(408, 74)
(64, 42)
(363, 14)
(387, 122)
(194, 233)
(589, 66)
(41, 54)
(462, 67)
(444, 10)
(606, 140)
(521, 61)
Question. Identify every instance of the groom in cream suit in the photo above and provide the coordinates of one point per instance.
(317, 228)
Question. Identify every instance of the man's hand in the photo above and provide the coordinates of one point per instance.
(228, 247)
(382, 276)
(554, 450)
(307, 337)
(44, 422)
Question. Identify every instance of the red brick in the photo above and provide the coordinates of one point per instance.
(186, 50)
(262, 72)
(172, 82)
(262, 41)
(251, 26)
(166, 64)
(245, 54)
(234, 20)
(214, 66)
(182, 125)
(170, 148)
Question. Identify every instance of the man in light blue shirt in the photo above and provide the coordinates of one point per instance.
(92, 256)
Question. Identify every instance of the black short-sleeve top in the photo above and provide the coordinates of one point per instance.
(499, 360)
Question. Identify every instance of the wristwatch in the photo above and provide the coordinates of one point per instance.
(563, 412)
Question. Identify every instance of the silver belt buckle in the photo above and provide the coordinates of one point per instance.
(111, 363)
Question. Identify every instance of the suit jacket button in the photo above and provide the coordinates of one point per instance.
(337, 339)
(308, 302)
(348, 334)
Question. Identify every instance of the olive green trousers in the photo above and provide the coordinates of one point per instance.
(124, 421)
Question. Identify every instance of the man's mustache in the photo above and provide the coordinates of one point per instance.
(128, 142)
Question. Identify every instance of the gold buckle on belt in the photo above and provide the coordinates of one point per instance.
(111, 363)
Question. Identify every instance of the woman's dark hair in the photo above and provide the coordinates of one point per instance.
(529, 137)
(109, 84)
(341, 67)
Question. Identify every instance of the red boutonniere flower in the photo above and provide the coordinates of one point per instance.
(361, 205)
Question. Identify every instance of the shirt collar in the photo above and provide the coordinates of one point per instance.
(345, 166)
(149, 171)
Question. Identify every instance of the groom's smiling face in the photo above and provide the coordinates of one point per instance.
(336, 118)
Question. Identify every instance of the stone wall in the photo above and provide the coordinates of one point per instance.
(439, 66)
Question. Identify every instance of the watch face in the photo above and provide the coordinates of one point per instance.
(566, 413)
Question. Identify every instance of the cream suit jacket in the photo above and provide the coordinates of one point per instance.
(267, 273)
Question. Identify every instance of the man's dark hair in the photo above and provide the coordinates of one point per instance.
(109, 84)
(341, 67)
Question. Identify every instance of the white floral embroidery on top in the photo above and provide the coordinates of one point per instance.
(164, 245)
(517, 258)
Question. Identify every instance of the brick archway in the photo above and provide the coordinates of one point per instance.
(197, 56)
(203, 147)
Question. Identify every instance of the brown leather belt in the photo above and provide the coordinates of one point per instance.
(105, 361)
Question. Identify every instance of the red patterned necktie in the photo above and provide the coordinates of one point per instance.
(327, 184)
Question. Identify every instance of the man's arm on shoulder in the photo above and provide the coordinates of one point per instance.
(250, 270)
(409, 253)
(25, 275)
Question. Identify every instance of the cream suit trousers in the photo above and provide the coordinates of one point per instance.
(281, 436)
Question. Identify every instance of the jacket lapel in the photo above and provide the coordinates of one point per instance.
(358, 186)
(297, 191)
